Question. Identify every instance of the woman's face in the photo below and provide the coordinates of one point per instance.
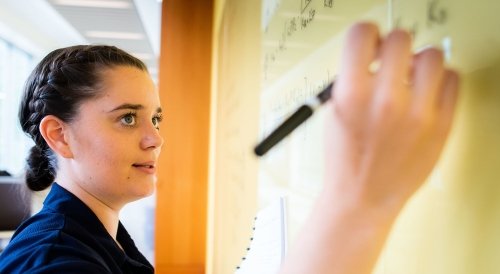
(115, 140)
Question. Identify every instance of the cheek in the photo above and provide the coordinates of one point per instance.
(100, 150)
(105, 153)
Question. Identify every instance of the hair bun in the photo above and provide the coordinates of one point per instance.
(39, 174)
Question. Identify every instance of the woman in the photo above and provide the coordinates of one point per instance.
(93, 113)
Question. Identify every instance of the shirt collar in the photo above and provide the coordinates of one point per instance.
(62, 201)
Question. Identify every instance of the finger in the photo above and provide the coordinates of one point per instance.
(395, 58)
(447, 99)
(360, 50)
(427, 79)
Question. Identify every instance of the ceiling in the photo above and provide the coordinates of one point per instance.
(43, 25)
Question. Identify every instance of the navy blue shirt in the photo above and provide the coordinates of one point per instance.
(67, 237)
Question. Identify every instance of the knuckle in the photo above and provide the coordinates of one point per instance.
(391, 108)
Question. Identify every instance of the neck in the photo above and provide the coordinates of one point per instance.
(104, 212)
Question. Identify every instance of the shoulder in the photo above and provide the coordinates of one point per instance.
(47, 244)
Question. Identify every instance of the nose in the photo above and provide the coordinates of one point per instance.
(151, 138)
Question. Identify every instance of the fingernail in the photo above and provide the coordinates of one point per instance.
(427, 46)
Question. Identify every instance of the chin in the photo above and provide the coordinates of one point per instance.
(141, 190)
(148, 188)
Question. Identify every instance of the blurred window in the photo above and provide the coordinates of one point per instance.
(15, 66)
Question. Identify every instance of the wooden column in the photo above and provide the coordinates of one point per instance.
(184, 83)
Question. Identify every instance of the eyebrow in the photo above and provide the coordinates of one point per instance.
(133, 107)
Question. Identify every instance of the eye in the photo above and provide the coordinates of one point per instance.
(156, 120)
(129, 119)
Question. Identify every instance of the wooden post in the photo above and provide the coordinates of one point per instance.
(184, 84)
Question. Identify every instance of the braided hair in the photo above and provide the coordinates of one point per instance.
(58, 85)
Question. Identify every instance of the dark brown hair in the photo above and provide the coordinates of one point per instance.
(58, 85)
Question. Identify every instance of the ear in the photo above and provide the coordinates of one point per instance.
(54, 133)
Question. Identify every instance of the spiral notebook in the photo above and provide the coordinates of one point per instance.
(267, 247)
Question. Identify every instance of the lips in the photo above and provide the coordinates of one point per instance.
(143, 165)
(147, 167)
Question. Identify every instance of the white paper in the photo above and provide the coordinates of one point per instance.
(268, 245)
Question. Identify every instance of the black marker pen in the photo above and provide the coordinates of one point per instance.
(297, 118)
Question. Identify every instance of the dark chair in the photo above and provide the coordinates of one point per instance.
(15, 203)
